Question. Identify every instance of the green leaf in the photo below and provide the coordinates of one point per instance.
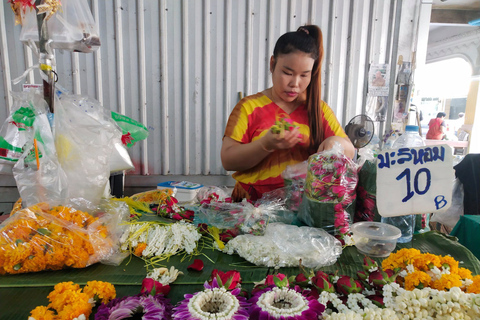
(44, 231)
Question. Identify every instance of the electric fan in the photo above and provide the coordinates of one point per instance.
(360, 130)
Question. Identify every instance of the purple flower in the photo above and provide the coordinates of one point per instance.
(151, 307)
(283, 303)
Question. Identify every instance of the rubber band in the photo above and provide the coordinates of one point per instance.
(36, 153)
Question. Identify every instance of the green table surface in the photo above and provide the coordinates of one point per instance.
(467, 230)
(19, 294)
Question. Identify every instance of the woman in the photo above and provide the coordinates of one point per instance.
(250, 148)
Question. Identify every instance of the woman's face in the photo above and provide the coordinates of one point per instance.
(291, 74)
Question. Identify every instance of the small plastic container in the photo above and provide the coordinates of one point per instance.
(186, 190)
(375, 239)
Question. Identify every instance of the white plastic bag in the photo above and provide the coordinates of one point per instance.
(38, 174)
(70, 28)
(451, 216)
(83, 145)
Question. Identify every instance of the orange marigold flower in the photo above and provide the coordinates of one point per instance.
(464, 273)
(74, 309)
(446, 282)
(139, 249)
(42, 313)
(417, 279)
(426, 261)
(475, 286)
(400, 259)
(103, 291)
(62, 287)
(449, 262)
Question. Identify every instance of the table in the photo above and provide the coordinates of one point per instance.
(19, 294)
(467, 230)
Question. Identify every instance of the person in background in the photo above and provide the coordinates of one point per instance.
(459, 122)
(437, 127)
(258, 155)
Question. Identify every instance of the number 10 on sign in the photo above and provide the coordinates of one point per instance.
(414, 180)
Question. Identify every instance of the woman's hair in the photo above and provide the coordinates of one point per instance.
(308, 39)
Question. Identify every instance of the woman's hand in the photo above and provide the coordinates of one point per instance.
(348, 148)
(286, 140)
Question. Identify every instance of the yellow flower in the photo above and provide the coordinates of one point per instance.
(42, 313)
(400, 259)
(75, 309)
(104, 291)
(417, 279)
(446, 282)
(426, 261)
(475, 286)
(449, 262)
(139, 249)
(464, 273)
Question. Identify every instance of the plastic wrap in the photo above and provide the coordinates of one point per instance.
(84, 143)
(451, 216)
(70, 28)
(17, 129)
(329, 197)
(294, 179)
(38, 174)
(51, 238)
(366, 201)
(243, 217)
(286, 245)
(212, 193)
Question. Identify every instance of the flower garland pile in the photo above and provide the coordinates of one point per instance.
(154, 239)
(42, 238)
(163, 203)
(68, 301)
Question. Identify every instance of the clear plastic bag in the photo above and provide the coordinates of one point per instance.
(84, 144)
(451, 216)
(243, 217)
(41, 237)
(71, 28)
(17, 129)
(329, 197)
(212, 193)
(286, 245)
(38, 174)
(294, 181)
(366, 201)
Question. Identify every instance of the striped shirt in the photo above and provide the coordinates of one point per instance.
(251, 119)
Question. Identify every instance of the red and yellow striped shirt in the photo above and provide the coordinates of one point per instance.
(251, 119)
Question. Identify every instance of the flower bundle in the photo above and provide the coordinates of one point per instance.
(164, 204)
(43, 238)
(329, 192)
(68, 301)
(274, 299)
(421, 270)
(220, 299)
(155, 239)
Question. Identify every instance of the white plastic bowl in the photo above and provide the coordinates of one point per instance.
(375, 239)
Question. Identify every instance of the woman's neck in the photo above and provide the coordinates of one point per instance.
(288, 107)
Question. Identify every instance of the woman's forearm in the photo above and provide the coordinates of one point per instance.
(239, 157)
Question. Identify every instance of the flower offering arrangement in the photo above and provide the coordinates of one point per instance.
(329, 196)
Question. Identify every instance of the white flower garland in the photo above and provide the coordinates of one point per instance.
(204, 303)
(296, 301)
(161, 239)
(164, 276)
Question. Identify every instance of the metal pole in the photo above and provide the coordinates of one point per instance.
(45, 60)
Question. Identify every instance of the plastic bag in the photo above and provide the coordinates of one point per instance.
(212, 193)
(17, 130)
(294, 181)
(451, 216)
(329, 197)
(38, 174)
(70, 28)
(366, 201)
(84, 143)
(285, 245)
(51, 238)
(242, 217)
(132, 131)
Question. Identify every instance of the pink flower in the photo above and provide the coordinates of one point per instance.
(345, 229)
(154, 287)
(338, 207)
(339, 190)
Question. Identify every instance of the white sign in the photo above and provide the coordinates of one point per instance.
(414, 180)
